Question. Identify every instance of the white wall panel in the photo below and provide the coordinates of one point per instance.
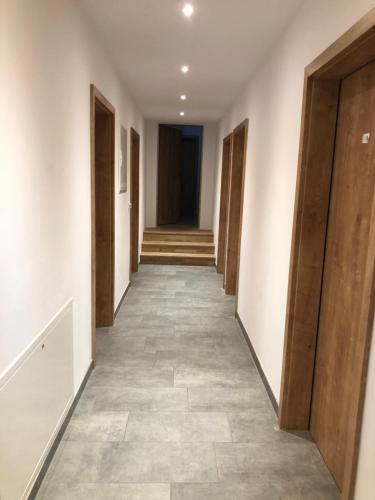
(35, 395)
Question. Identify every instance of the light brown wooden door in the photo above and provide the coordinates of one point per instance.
(134, 200)
(224, 203)
(341, 343)
(169, 175)
(237, 178)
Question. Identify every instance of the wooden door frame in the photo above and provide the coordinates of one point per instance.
(243, 127)
(224, 205)
(323, 77)
(134, 244)
(97, 96)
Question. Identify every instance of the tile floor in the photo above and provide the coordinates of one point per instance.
(175, 409)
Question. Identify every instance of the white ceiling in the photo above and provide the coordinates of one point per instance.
(224, 40)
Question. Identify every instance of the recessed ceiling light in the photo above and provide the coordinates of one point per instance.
(183, 97)
(188, 10)
(184, 69)
(182, 113)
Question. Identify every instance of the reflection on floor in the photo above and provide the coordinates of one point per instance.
(175, 408)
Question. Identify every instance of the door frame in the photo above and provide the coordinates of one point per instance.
(97, 97)
(234, 230)
(353, 50)
(199, 181)
(134, 214)
(224, 204)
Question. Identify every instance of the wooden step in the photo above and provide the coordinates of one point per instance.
(166, 235)
(172, 258)
(178, 246)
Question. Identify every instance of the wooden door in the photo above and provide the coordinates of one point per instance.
(134, 200)
(224, 204)
(341, 349)
(169, 175)
(237, 178)
(102, 213)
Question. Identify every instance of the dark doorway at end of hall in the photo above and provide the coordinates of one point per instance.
(179, 172)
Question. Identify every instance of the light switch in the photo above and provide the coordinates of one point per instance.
(366, 138)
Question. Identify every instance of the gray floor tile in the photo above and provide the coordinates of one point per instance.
(108, 376)
(239, 400)
(80, 462)
(159, 329)
(141, 399)
(176, 398)
(142, 360)
(150, 491)
(105, 426)
(85, 403)
(201, 359)
(201, 344)
(260, 426)
(178, 427)
(122, 320)
(112, 345)
(236, 378)
(159, 462)
(242, 459)
(261, 487)
(198, 329)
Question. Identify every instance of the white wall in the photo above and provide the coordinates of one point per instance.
(209, 152)
(272, 101)
(49, 57)
(209, 159)
(151, 172)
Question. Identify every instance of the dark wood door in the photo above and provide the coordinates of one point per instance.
(104, 221)
(224, 203)
(341, 343)
(169, 175)
(237, 178)
(134, 200)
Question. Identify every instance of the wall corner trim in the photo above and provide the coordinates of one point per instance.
(58, 438)
(258, 365)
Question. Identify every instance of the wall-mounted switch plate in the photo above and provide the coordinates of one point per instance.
(366, 138)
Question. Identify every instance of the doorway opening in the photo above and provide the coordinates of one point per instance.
(331, 293)
(102, 212)
(179, 172)
(134, 200)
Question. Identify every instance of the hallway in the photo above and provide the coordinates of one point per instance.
(175, 408)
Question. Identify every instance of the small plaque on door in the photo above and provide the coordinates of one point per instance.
(366, 138)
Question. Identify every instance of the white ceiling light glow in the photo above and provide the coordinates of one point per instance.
(183, 97)
(182, 113)
(188, 10)
(185, 69)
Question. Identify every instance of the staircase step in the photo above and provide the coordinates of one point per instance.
(178, 246)
(173, 258)
(166, 235)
